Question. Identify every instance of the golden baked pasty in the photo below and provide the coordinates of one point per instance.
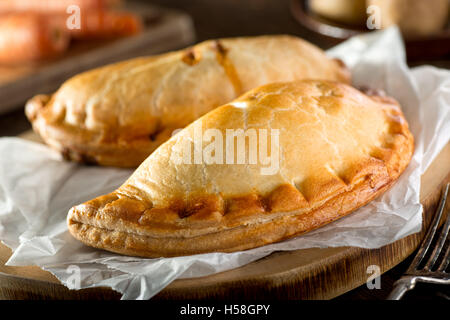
(323, 149)
(118, 114)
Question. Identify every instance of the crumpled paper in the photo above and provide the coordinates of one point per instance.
(37, 189)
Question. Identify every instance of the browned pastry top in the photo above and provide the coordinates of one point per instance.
(338, 149)
(118, 114)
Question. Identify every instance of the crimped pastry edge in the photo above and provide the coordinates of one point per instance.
(83, 148)
(236, 239)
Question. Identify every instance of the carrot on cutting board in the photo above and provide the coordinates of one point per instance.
(54, 6)
(29, 37)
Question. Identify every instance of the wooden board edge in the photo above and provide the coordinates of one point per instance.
(17, 288)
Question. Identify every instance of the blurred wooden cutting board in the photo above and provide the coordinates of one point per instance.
(164, 30)
(301, 274)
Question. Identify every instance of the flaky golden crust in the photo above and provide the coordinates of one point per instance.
(118, 114)
(339, 150)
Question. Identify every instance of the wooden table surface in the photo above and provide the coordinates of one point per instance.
(215, 18)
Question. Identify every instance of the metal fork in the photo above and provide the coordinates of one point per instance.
(430, 273)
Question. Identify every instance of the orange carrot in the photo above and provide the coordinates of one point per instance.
(29, 37)
(53, 6)
(106, 24)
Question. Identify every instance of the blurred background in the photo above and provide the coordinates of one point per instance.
(323, 22)
(44, 42)
(326, 23)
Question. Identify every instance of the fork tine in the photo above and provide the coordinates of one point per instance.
(445, 261)
(431, 231)
(439, 245)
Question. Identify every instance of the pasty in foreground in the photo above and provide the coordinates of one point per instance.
(323, 150)
(118, 114)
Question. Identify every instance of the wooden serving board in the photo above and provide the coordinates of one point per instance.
(302, 274)
(164, 30)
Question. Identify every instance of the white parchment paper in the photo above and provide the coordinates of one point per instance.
(37, 189)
